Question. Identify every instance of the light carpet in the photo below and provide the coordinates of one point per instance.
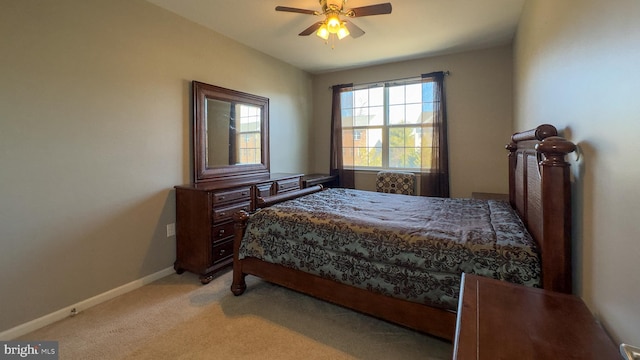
(178, 318)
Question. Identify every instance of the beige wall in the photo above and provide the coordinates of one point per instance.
(479, 106)
(94, 133)
(576, 66)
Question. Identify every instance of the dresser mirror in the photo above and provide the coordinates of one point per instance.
(230, 134)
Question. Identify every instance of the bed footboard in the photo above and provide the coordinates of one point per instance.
(238, 286)
(240, 225)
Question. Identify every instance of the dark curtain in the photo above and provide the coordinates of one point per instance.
(436, 181)
(345, 176)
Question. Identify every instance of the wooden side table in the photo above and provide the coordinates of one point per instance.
(500, 320)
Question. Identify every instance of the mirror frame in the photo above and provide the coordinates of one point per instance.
(202, 173)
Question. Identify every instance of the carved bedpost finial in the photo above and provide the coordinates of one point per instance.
(554, 149)
(240, 219)
(545, 131)
(541, 132)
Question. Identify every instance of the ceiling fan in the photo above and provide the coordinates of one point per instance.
(332, 24)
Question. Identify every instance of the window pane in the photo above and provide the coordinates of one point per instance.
(396, 95)
(248, 156)
(376, 96)
(348, 138)
(413, 93)
(427, 117)
(414, 158)
(346, 100)
(426, 157)
(404, 158)
(404, 147)
(361, 157)
(396, 114)
(248, 118)
(397, 137)
(347, 118)
(413, 113)
(367, 151)
(427, 89)
(426, 136)
(361, 117)
(347, 156)
(361, 98)
(396, 158)
(376, 116)
(374, 138)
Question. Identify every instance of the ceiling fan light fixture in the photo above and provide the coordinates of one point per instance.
(343, 31)
(332, 26)
(323, 32)
(333, 23)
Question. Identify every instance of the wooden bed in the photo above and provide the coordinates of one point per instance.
(539, 191)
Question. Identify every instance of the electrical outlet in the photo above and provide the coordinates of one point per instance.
(171, 229)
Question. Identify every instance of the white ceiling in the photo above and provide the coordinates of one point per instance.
(414, 29)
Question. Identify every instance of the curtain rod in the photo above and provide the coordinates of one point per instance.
(447, 72)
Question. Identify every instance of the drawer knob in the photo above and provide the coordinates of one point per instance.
(222, 251)
(221, 197)
(221, 232)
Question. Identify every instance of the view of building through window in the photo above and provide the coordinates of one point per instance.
(388, 126)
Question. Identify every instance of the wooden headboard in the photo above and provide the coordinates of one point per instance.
(540, 191)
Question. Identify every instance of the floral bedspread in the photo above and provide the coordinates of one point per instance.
(408, 247)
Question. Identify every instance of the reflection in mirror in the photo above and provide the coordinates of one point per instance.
(230, 134)
(242, 123)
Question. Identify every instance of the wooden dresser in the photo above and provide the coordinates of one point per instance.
(204, 227)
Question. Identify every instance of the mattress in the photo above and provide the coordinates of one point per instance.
(408, 247)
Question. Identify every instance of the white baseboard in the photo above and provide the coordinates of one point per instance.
(81, 306)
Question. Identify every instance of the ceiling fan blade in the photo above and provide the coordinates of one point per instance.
(311, 29)
(378, 9)
(354, 30)
(296, 10)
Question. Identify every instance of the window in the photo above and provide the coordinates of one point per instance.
(388, 126)
(248, 134)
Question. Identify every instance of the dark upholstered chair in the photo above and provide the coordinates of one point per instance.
(396, 182)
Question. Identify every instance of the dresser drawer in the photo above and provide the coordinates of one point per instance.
(288, 185)
(222, 251)
(264, 190)
(225, 213)
(222, 231)
(222, 197)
